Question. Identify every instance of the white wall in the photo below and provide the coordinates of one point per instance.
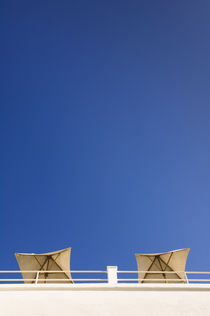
(123, 301)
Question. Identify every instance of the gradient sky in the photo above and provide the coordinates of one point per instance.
(105, 130)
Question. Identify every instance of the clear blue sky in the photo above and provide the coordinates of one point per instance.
(105, 130)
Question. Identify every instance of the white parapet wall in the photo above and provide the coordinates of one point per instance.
(104, 300)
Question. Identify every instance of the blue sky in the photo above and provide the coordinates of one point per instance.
(105, 130)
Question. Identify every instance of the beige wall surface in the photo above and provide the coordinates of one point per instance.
(103, 302)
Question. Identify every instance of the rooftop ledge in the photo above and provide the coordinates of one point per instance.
(105, 287)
